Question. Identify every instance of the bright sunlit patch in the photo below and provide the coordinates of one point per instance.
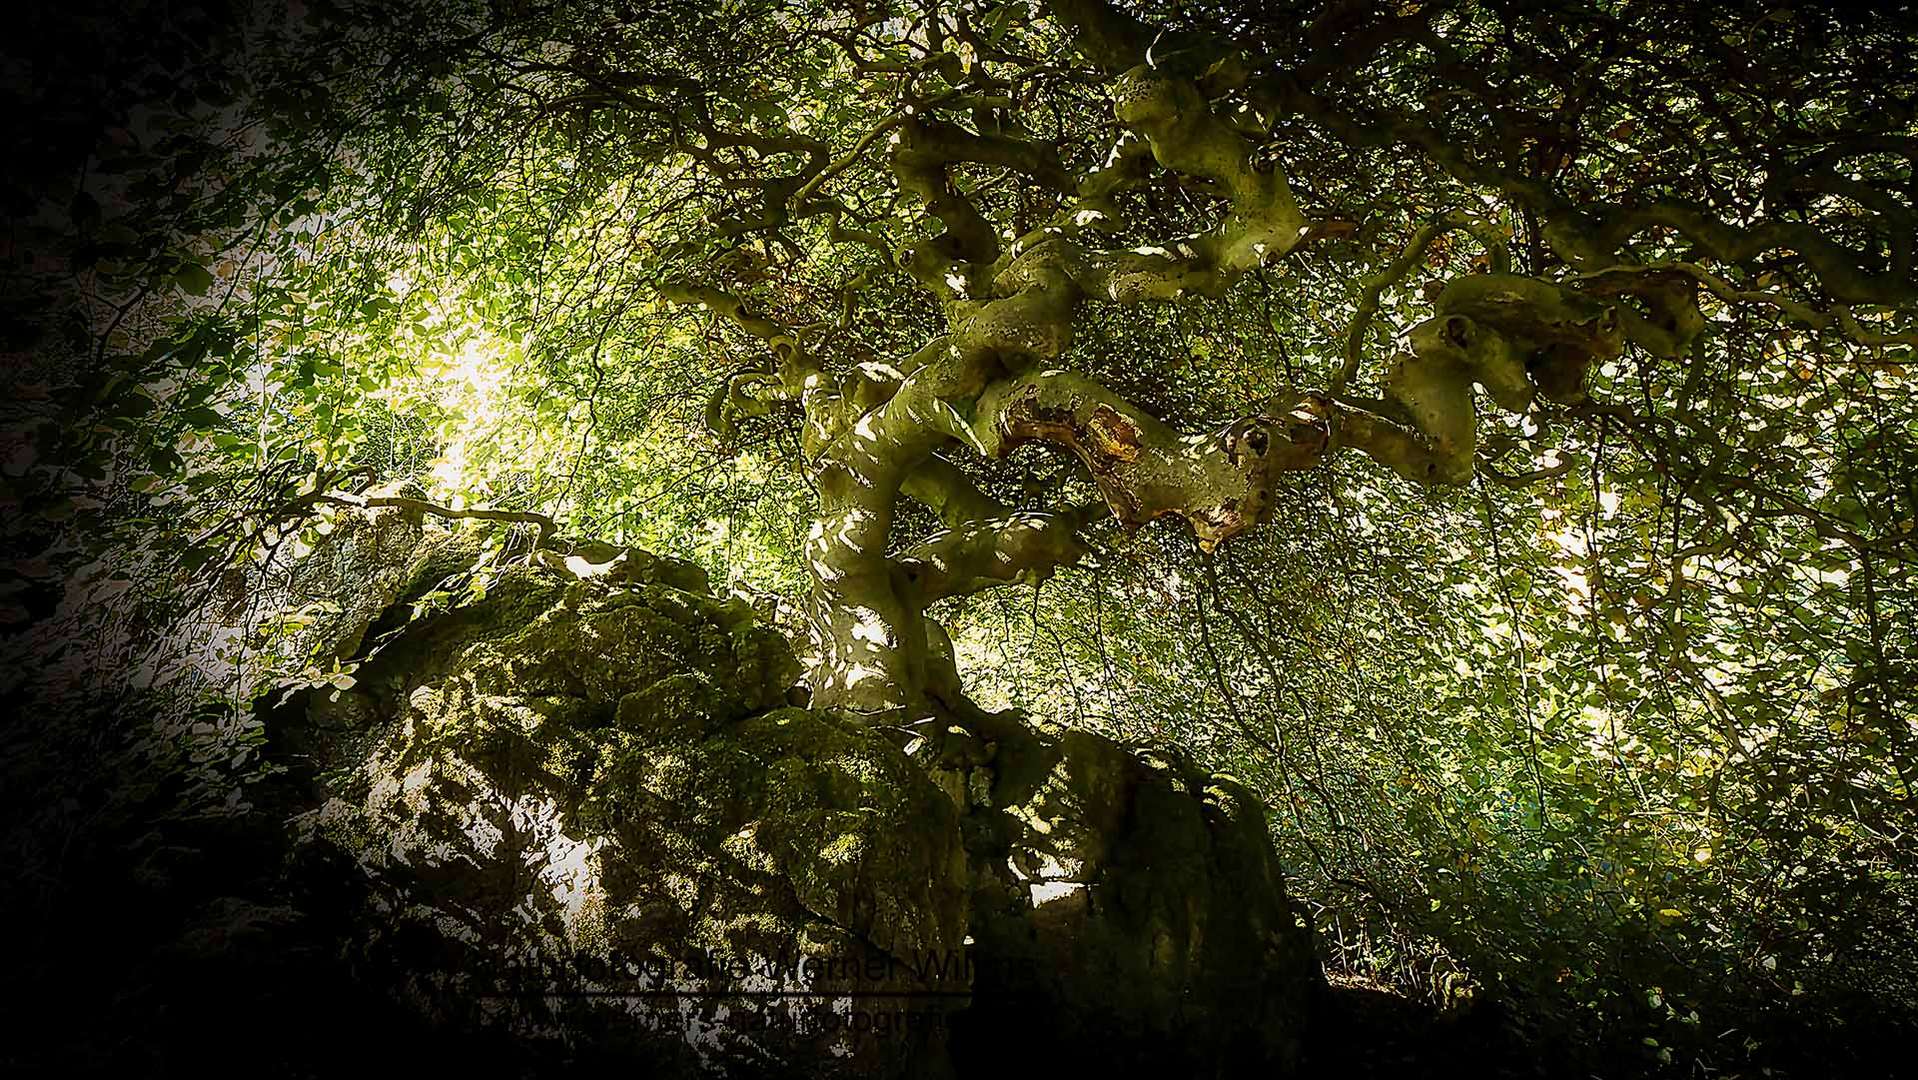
(871, 628)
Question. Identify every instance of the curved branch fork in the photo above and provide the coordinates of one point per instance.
(1221, 481)
(1517, 337)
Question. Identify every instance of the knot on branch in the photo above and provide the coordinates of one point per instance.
(1292, 434)
(1145, 98)
(1517, 337)
(1297, 429)
(1671, 320)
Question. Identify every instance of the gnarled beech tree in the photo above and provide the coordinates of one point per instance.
(1198, 109)
(997, 177)
(1547, 366)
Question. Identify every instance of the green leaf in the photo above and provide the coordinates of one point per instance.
(193, 278)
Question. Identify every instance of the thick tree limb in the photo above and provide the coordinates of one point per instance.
(950, 144)
(1840, 315)
(995, 551)
(920, 160)
(941, 487)
(1396, 270)
(1515, 336)
(1220, 482)
(1838, 268)
(1263, 222)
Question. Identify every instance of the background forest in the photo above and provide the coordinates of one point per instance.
(1610, 745)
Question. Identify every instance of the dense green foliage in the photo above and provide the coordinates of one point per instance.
(1620, 734)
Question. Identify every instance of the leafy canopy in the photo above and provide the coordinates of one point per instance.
(1618, 721)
